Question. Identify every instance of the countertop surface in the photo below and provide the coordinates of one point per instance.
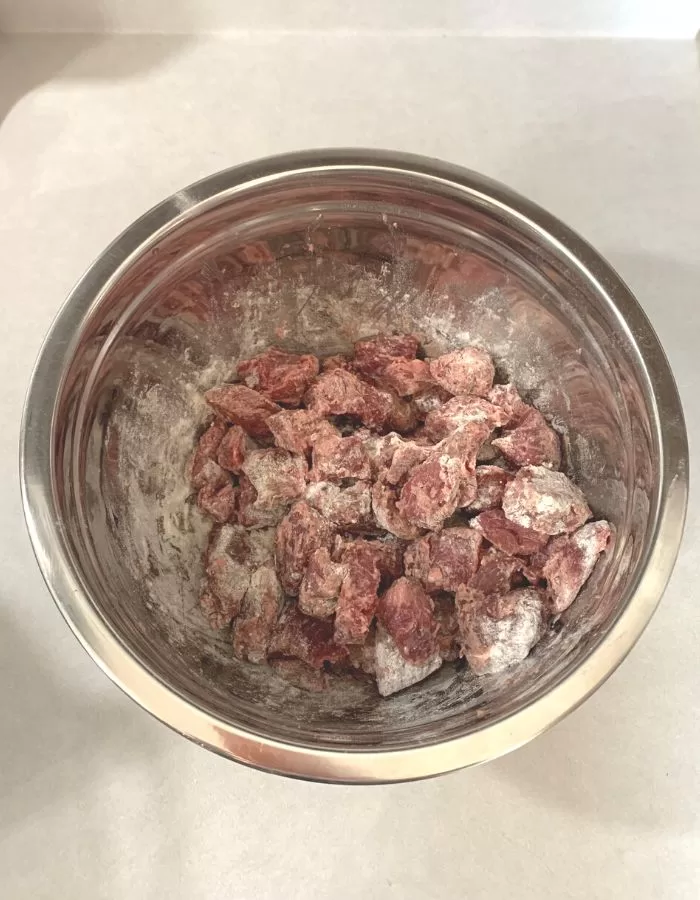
(97, 799)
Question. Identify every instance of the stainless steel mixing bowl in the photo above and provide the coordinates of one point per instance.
(312, 251)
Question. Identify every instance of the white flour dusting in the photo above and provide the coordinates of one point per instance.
(160, 531)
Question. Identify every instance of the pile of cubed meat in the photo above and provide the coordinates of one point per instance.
(380, 513)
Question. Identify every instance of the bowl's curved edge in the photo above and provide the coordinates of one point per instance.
(295, 760)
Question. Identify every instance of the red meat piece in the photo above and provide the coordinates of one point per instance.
(466, 371)
(407, 377)
(400, 415)
(431, 492)
(498, 633)
(338, 393)
(387, 514)
(297, 430)
(346, 507)
(444, 561)
(372, 356)
(335, 459)
(218, 503)
(493, 578)
(251, 512)
(569, 561)
(243, 406)
(228, 568)
(467, 488)
(261, 607)
(357, 602)
(234, 447)
(406, 457)
(506, 397)
(248, 548)
(380, 450)
(201, 472)
(301, 532)
(406, 611)
(532, 443)
(448, 639)
(301, 637)
(389, 553)
(209, 474)
(392, 671)
(491, 482)
(335, 362)
(284, 377)
(320, 586)
(277, 476)
(545, 500)
(462, 413)
(429, 399)
(507, 536)
(463, 445)
(301, 675)
(495, 573)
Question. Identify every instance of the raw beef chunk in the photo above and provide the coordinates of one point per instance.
(544, 500)
(283, 377)
(243, 406)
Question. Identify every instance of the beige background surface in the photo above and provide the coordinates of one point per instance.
(97, 800)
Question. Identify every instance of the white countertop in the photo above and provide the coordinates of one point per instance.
(98, 800)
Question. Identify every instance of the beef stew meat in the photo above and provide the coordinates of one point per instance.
(379, 514)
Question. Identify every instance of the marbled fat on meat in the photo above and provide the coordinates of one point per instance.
(461, 413)
(297, 430)
(373, 355)
(387, 514)
(408, 377)
(252, 513)
(507, 397)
